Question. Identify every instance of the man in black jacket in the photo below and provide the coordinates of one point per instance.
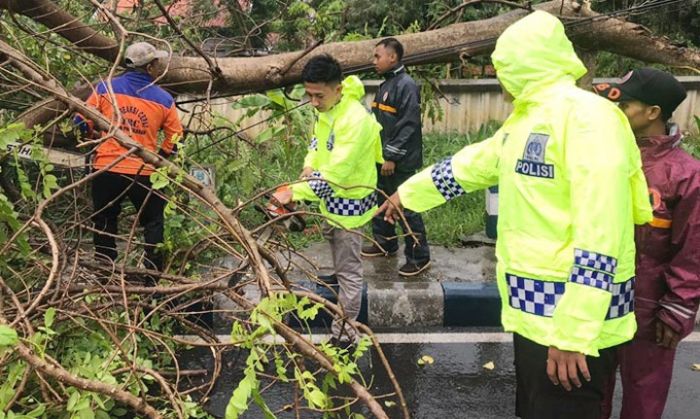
(397, 108)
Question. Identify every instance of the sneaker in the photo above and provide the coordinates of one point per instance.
(372, 250)
(412, 269)
(331, 279)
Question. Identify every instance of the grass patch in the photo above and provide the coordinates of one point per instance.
(464, 215)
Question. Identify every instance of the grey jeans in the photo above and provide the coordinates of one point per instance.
(346, 246)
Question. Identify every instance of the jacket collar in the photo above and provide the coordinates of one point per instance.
(658, 145)
(139, 77)
(398, 69)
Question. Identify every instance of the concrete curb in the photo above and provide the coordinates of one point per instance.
(458, 291)
(401, 305)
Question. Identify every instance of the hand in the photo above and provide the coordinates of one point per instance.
(306, 172)
(388, 168)
(391, 208)
(665, 336)
(282, 196)
(563, 367)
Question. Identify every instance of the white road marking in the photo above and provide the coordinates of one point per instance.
(408, 338)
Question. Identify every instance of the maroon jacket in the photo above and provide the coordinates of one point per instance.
(668, 249)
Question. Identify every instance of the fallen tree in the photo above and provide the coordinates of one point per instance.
(588, 29)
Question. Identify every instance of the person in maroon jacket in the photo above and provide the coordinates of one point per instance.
(667, 287)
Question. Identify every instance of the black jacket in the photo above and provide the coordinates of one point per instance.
(397, 108)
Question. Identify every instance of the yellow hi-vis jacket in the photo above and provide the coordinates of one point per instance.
(344, 152)
(571, 189)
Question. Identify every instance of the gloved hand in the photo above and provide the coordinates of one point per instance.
(282, 196)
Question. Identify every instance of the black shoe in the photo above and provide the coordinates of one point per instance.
(372, 250)
(412, 269)
(331, 279)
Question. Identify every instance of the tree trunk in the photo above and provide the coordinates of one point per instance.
(250, 74)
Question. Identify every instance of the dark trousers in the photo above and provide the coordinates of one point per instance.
(536, 396)
(646, 370)
(384, 233)
(108, 191)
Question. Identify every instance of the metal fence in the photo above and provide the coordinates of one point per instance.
(468, 104)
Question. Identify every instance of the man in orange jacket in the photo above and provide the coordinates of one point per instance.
(142, 110)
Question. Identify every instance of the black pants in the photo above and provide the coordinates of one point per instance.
(383, 232)
(108, 191)
(536, 396)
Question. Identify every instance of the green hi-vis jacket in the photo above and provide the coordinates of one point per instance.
(571, 189)
(344, 152)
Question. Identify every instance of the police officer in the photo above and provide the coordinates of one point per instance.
(342, 156)
(571, 189)
(397, 108)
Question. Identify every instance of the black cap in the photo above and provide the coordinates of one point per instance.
(648, 85)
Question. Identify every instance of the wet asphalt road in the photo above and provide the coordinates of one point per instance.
(456, 385)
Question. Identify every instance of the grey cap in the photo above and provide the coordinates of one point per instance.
(142, 53)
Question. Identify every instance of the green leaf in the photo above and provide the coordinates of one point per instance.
(159, 180)
(309, 313)
(119, 411)
(72, 401)
(317, 398)
(281, 370)
(49, 317)
(265, 135)
(50, 184)
(251, 101)
(8, 336)
(241, 395)
(12, 133)
(38, 411)
(86, 413)
(262, 405)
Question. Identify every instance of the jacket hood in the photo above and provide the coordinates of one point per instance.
(353, 88)
(533, 53)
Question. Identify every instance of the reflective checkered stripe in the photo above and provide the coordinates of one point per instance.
(350, 207)
(320, 187)
(314, 144)
(622, 299)
(445, 181)
(541, 297)
(597, 261)
(591, 278)
(534, 296)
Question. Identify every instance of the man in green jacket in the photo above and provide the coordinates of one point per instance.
(571, 189)
(340, 173)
